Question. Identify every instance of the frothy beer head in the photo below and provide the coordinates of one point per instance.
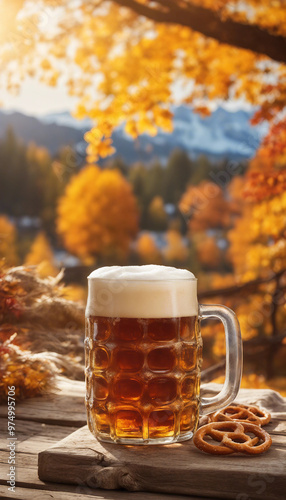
(142, 292)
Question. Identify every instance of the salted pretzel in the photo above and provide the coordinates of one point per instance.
(217, 431)
(239, 444)
(241, 413)
(263, 415)
(233, 437)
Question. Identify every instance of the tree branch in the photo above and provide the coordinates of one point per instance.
(235, 289)
(158, 15)
(262, 345)
(209, 23)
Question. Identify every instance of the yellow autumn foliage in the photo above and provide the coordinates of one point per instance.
(147, 250)
(8, 250)
(123, 67)
(98, 214)
(127, 70)
(176, 250)
(258, 239)
(206, 207)
(41, 255)
(208, 251)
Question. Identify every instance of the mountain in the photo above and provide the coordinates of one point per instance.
(29, 128)
(223, 134)
(65, 118)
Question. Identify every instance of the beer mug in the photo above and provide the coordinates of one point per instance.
(143, 351)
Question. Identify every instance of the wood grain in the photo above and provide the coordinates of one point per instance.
(41, 424)
(64, 407)
(35, 434)
(177, 468)
(40, 494)
(29, 486)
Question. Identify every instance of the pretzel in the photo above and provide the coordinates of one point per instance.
(241, 413)
(233, 438)
(217, 431)
(238, 443)
(263, 415)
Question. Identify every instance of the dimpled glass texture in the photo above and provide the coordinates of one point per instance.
(143, 379)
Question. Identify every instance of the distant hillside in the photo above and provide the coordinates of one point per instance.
(50, 135)
(224, 134)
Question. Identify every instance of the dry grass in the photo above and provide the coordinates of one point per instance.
(49, 330)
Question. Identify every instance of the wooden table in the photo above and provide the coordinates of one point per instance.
(42, 422)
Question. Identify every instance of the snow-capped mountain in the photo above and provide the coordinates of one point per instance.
(66, 119)
(224, 134)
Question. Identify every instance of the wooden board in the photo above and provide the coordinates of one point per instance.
(85, 494)
(65, 406)
(177, 468)
(35, 434)
(28, 485)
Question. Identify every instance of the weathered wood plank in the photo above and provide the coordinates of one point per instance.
(23, 460)
(76, 493)
(64, 410)
(65, 406)
(29, 486)
(26, 470)
(178, 468)
(68, 412)
(34, 435)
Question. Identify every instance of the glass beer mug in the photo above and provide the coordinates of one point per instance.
(143, 352)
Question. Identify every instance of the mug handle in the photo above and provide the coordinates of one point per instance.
(233, 368)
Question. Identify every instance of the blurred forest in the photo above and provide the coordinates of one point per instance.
(223, 220)
(208, 217)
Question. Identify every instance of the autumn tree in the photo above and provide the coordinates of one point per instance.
(161, 184)
(30, 182)
(257, 251)
(129, 55)
(44, 185)
(8, 249)
(147, 249)
(98, 215)
(142, 49)
(157, 216)
(209, 254)
(258, 240)
(206, 207)
(176, 251)
(41, 255)
(260, 237)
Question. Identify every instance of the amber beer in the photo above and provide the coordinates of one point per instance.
(142, 374)
(144, 352)
(143, 377)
